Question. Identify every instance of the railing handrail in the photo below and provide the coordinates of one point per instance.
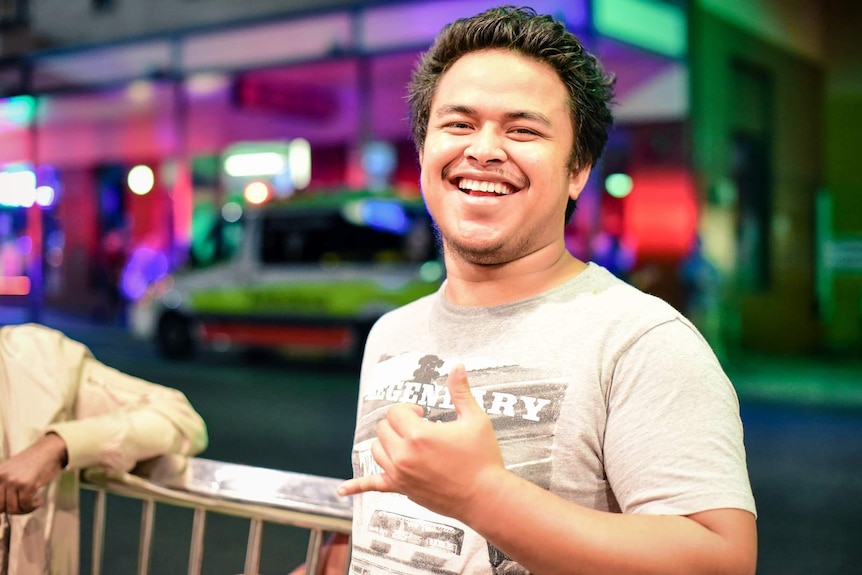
(209, 486)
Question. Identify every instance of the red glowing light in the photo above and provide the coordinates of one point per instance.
(661, 213)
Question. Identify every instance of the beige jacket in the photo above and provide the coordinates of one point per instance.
(49, 382)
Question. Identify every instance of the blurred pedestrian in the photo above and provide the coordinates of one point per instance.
(61, 410)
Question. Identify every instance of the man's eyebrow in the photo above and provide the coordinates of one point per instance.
(469, 111)
(455, 109)
(532, 116)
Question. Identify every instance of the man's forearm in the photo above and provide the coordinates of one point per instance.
(549, 535)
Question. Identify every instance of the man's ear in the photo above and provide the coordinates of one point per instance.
(577, 181)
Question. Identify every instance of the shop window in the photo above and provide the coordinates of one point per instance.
(752, 143)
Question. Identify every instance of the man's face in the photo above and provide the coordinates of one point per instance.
(494, 162)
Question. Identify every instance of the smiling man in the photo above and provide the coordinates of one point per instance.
(536, 414)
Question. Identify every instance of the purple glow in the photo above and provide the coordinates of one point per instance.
(24, 245)
(144, 267)
(416, 24)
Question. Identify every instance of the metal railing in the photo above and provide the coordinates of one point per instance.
(207, 486)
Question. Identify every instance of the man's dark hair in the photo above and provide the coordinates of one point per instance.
(536, 36)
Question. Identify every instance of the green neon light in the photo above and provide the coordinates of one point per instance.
(649, 24)
(18, 110)
(619, 185)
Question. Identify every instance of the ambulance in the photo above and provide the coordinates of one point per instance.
(310, 276)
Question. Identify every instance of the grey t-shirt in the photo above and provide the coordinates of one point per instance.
(598, 392)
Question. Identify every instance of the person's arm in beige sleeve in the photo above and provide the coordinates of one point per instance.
(121, 419)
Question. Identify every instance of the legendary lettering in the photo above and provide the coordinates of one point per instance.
(433, 395)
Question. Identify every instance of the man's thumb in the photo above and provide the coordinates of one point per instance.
(459, 390)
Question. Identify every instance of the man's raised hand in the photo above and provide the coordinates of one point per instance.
(441, 466)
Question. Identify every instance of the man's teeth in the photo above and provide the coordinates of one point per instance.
(500, 188)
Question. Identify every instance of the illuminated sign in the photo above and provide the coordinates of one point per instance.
(14, 285)
(661, 212)
(20, 187)
(240, 165)
(280, 165)
(655, 26)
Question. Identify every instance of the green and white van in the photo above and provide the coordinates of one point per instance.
(310, 276)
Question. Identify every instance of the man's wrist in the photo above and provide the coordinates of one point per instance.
(490, 499)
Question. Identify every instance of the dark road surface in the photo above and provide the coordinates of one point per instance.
(804, 451)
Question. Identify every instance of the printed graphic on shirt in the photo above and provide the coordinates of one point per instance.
(395, 535)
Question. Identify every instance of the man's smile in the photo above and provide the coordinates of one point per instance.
(484, 187)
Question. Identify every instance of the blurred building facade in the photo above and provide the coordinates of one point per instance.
(734, 127)
(776, 99)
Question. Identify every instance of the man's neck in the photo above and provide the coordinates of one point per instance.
(472, 285)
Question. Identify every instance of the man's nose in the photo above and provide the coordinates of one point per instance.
(486, 145)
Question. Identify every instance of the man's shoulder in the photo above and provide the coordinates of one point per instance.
(613, 301)
(599, 282)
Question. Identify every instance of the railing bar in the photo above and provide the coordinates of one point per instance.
(148, 511)
(200, 492)
(312, 554)
(99, 510)
(196, 553)
(252, 551)
(282, 516)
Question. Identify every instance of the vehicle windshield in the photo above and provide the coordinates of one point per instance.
(371, 233)
(329, 231)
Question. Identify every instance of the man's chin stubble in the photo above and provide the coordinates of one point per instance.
(490, 256)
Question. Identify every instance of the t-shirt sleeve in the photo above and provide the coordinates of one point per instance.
(674, 438)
